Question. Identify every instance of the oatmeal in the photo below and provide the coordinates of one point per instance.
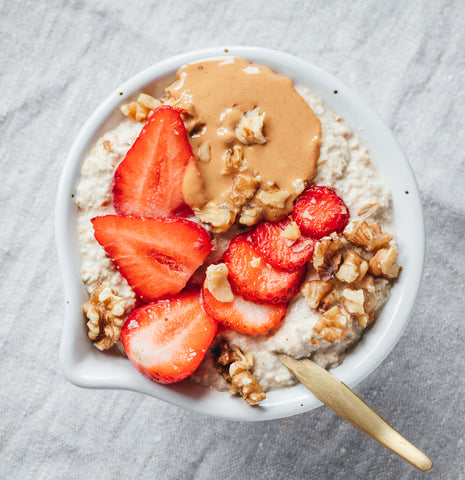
(232, 186)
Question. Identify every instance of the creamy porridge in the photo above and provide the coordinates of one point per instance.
(341, 162)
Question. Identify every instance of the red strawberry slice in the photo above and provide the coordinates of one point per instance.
(167, 340)
(254, 279)
(278, 251)
(319, 212)
(243, 316)
(148, 182)
(156, 256)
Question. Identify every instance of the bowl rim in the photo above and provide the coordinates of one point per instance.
(90, 368)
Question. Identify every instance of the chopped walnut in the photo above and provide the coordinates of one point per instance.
(368, 235)
(242, 189)
(105, 311)
(249, 130)
(148, 102)
(332, 325)
(298, 186)
(216, 281)
(315, 290)
(251, 214)
(203, 153)
(291, 232)
(330, 300)
(364, 319)
(353, 301)
(141, 109)
(184, 102)
(369, 289)
(218, 216)
(232, 159)
(367, 283)
(107, 145)
(275, 198)
(327, 257)
(383, 264)
(353, 268)
(238, 374)
(192, 124)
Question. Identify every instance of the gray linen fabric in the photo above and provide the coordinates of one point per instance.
(59, 59)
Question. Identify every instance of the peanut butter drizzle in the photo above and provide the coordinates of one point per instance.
(221, 92)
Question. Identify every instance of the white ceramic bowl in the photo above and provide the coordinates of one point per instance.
(86, 366)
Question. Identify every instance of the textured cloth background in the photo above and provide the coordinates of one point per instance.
(59, 59)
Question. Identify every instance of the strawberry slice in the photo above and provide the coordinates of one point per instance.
(278, 251)
(319, 212)
(167, 340)
(148, 182)
(254, 279)
(243, 316)
(156, 256)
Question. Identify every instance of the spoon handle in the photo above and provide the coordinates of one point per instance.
(342, 400)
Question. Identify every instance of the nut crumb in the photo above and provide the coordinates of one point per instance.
(327, 257)
(291, 232)
(242, 190)
(233, 159)
(353, 301)
(218, 216)
(383, 264)
(216, 281)
(275, 198)
(332, 325)
(353, 268)
(238, 374)
(249, 130)
(315, 290)
(105, 312)
(203, 153)
(141, 109)
(368, 235)
(298, 186)
(251, 214)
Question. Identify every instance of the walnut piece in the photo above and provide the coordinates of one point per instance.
(216, 281)
(332, 325)
(251, 214)
(242, 189)
(365, 318)
(192, 124)
(353, 301)
(203, 153)
(232, 159)
(249, 130)
(383, 263)
(238, 374)
(105, 312)
(291, 232)
(315, 290)
(327, 257)
(141, 109)
(218, 216)
(299, 186)
(368, 235)
(275, 198)
(330, 300)
(353, 268)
